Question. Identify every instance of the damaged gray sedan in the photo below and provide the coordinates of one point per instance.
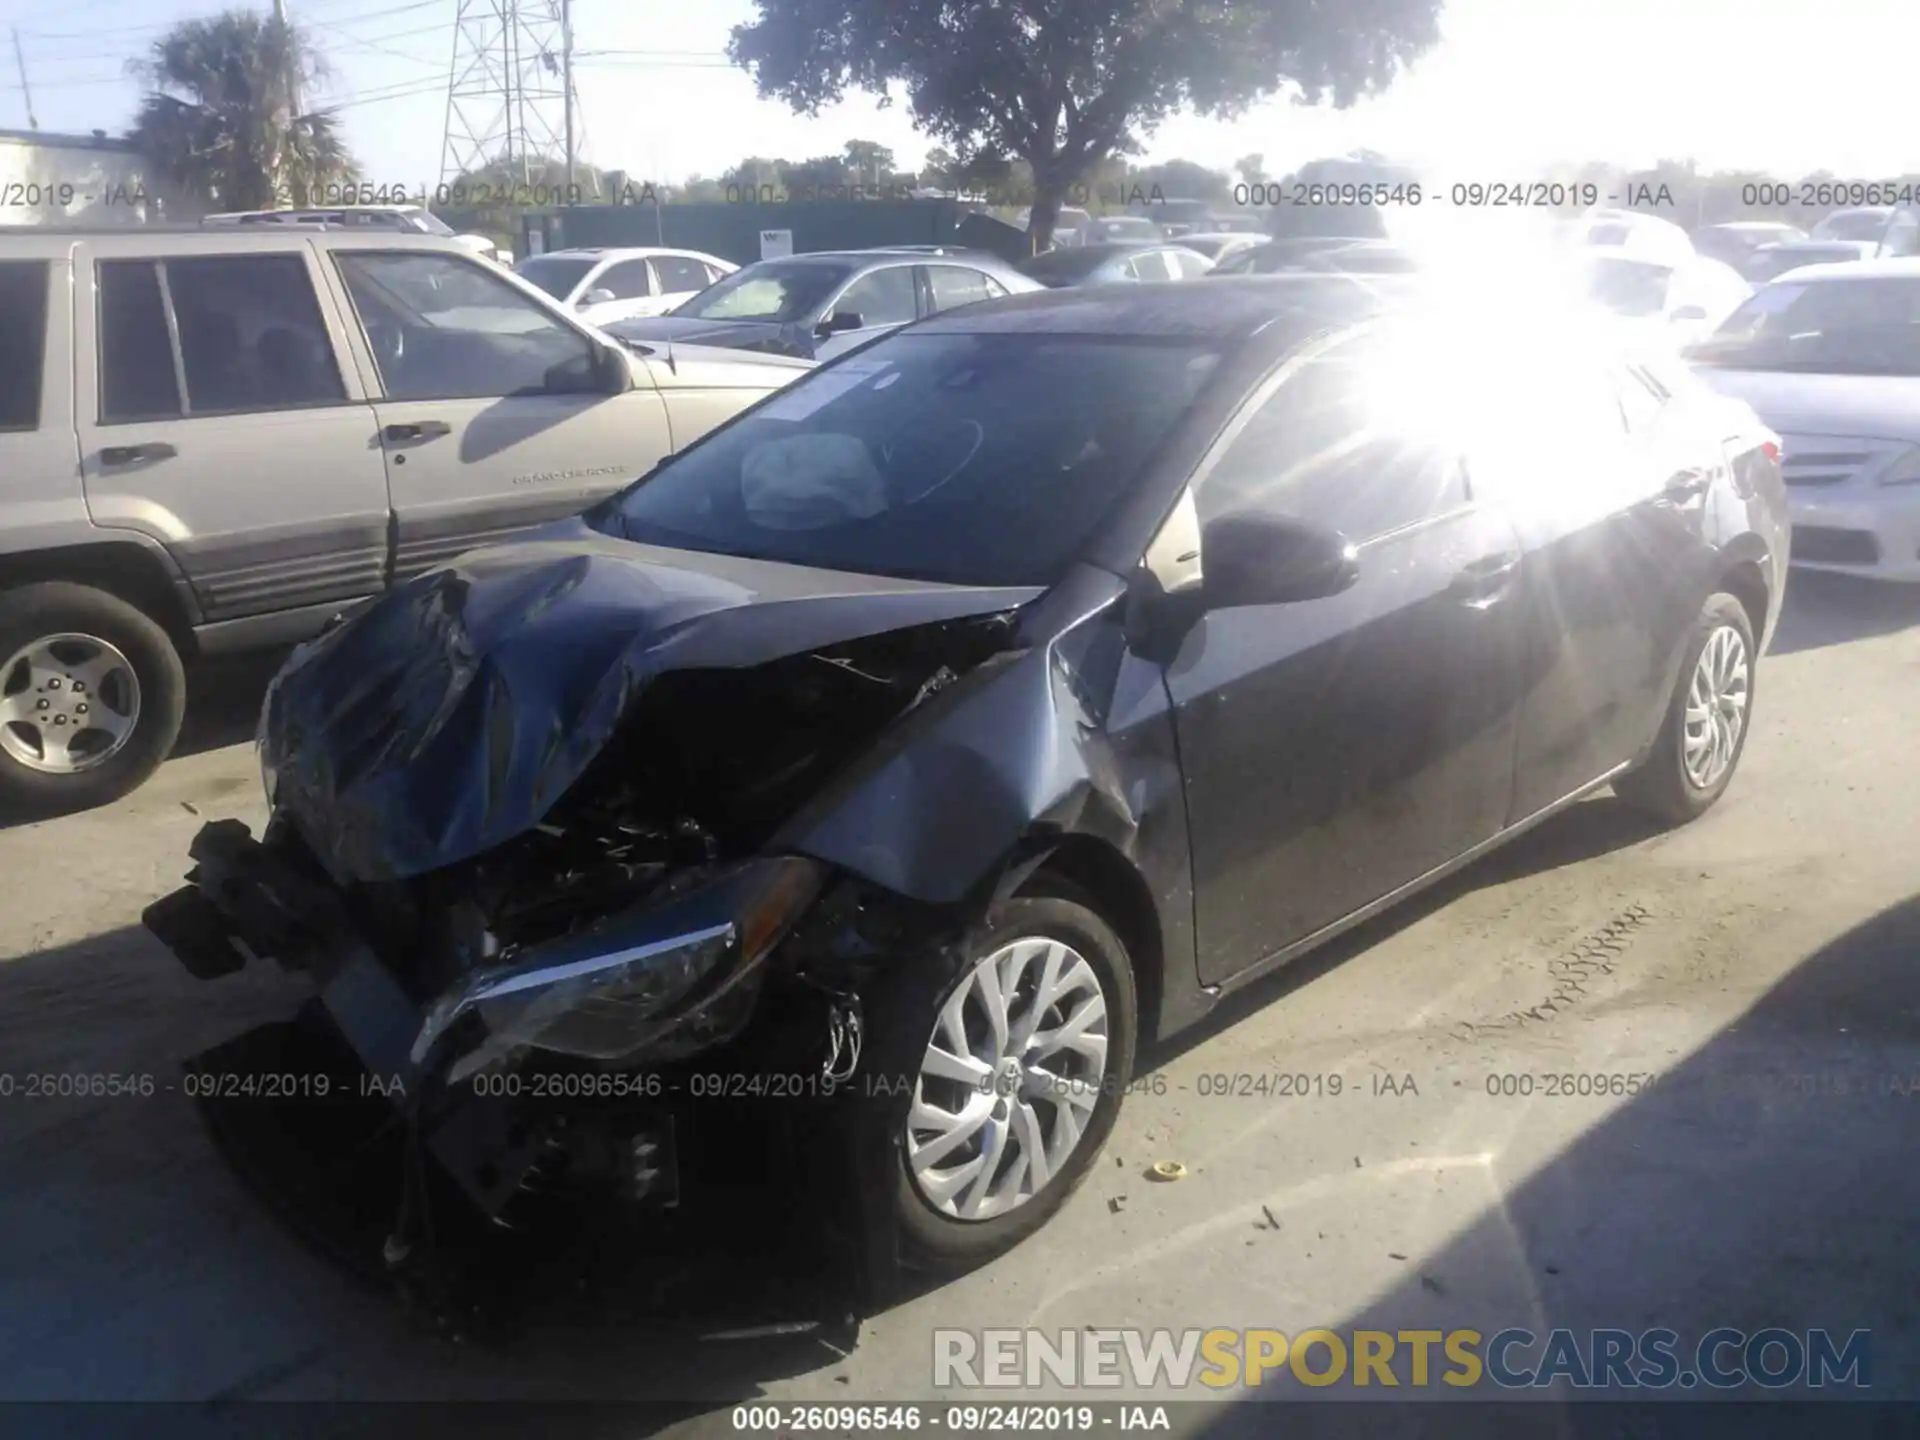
(908, 752)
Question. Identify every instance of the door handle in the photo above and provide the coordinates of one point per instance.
(420, 430)
(1486, 579)
(131, 454)
(1686, 485)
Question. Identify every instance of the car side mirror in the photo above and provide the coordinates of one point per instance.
(1253, 558)
(839, 322)
(597, 297)
(601, 371)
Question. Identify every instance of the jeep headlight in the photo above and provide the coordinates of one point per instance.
(648, 985)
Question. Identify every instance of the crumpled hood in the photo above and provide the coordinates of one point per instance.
(1869, 407)
(454, 712)
(691, 330)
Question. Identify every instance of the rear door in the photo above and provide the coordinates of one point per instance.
(1605, 517)
(215, 413)
(489, 417)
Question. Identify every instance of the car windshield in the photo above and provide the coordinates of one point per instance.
(772, 290)
(1834, 327)
(424, 223)
(553, 274)
(1125, 227)
(1628, 287)
(1852, 225)
(967, 459)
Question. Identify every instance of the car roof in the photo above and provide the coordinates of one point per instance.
(1902, 267)
(1751, 225)
(1227, 308)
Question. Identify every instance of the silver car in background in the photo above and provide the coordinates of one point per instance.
(1830, 358)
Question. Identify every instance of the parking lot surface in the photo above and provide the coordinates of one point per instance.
(1763, 965)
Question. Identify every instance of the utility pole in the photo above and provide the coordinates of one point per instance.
(290, 82)
(566, 64)
(21, 60)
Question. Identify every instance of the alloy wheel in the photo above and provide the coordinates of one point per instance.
(1010, 1078)
(1716, 707)
(68, 702)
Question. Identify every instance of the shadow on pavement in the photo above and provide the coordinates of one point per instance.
(1593, 827)
(139, 1267)
(1768, 1180)
(224, 698)
(1824, 609)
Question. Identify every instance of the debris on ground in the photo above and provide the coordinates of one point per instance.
(1116, 1203)
(1395, 1255)
(1272, 1224)
(1167, 1170)
(1427, 1282)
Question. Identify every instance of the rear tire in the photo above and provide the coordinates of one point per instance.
(1707, 722)
(934, 1237)
(53, 634)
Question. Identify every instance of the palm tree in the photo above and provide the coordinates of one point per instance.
(219, 119)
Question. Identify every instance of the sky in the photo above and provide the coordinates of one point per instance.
(1782, 86)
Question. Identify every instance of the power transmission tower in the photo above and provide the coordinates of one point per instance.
(510, 90)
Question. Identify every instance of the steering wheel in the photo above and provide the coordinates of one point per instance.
(941, 445)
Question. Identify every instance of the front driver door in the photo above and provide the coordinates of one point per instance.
(884, 299)
(489, 415)
(1336, 749)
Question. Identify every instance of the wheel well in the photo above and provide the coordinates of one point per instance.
(1124, 902)
(1748, 585)
(128, 572)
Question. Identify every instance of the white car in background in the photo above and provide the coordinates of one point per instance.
(1676, 297)
(604, 285)
(1829, 356)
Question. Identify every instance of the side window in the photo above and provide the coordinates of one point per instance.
(1191, 266)
(628, 280)
(251, 336)
(883, 298)
(23, 342)
(679, 274)
(137, 378)
(1321, 448)
(445, 328)
(1150, 265)
(714, 274)
(956, 285)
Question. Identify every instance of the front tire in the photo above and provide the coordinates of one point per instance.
(1003, 1108)
(92, 693)
(1708, 718)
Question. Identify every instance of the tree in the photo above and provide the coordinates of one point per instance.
(1252, 169)
(1066, 84)
(870, 162)
(218, 119)
(823, 173)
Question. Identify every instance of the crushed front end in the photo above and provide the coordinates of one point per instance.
(632, 1003)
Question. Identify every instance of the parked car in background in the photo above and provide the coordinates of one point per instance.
(1221, 246)
(1862, 222)
(1733, 242)
(1769, 262)
(824, 304)
(1069, 228)
(1119, 229)
(1180, 218)
(1830, 358)
(1007, 694)
(1115, 264)
(1355, 257)
(1902, 235)
(1239, 222)
(407, 219)
(1676, 303)
(1636, 233)
(603, 285)
(214, 439)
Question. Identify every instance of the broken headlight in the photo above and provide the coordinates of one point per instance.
(648, 985)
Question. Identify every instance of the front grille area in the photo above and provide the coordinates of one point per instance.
(1818, 462)
(1825, 546)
